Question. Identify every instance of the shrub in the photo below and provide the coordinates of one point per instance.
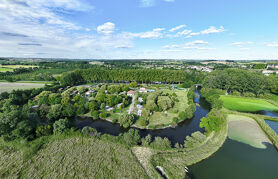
(160, 143)
(60, 126)
(43, 130)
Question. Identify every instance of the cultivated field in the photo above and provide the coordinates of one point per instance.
(247, 104)
(8, 87)
(245, 129)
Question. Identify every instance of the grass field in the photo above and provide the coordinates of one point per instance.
(5, 69)
(245, 129)
(8, 87)
(73, 158)
(247, 104)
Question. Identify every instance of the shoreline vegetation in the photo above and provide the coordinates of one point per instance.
(174, 161)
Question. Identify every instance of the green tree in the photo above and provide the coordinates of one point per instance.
(61, 125)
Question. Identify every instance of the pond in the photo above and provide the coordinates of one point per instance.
(175, 135)
(236, 160)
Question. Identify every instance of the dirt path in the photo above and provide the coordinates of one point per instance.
(131, 108)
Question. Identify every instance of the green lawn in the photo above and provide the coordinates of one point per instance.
(8, 87)
(244, 104)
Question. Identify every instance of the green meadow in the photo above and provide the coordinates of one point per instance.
(244, 104)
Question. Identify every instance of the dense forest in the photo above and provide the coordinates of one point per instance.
(141, 76)
(241, 81)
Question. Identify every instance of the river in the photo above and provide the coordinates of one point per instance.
(175, 135)
(234, 160)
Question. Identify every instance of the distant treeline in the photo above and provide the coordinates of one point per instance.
(140, 76)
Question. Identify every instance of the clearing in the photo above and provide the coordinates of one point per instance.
(8, 87)
(244, 104)
(246, 130)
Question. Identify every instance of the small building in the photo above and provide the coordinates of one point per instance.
(268, 72)
(151, 90)
(108, 108)
(139, 113)
(139, 106)
(140, 99)
(119, 105)
(88, 93)
(130, 93)
(143, 90)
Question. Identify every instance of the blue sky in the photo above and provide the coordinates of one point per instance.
(134, 29)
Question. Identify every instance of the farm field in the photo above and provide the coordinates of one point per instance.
(244, 104)
(8, 87)
(73, 158)
(5, 68)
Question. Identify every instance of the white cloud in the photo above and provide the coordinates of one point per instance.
(273, 44)
(177, 28)
(147, 3)
(158, 29)
(184, 32)
(154, 34)
(169, 0)
(106, 29)
(213, 30)
(196, 42)
(195, 33)
(242, 43)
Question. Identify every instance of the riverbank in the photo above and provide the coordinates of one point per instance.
(173, 161)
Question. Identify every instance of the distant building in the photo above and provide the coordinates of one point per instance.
(119, 105)
(269, 72)
(143, 90)
(140, 99)
(139, 113)
(130, 93)
(139, 106)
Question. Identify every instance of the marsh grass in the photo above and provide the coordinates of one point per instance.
(68, 156)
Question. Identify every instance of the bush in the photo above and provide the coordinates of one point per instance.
(236, 93)
(43, 130)
(175, 120)
(60, 126)
(126, 120)
(95, 114)
(248, 94)
(103, 115)
(160, 143)
(143, 121)
(132, 137)
(147, 140)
